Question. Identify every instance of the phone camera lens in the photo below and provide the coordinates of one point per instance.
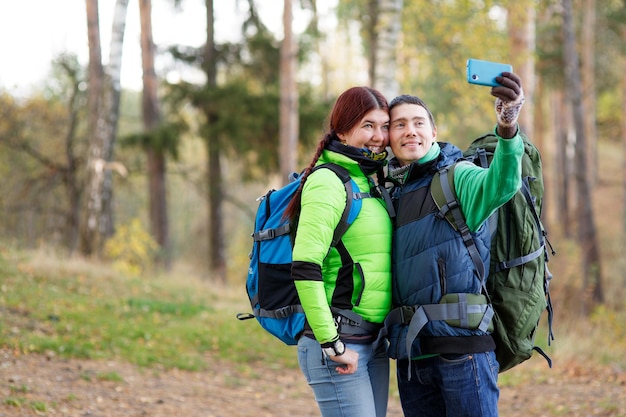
(474, 77)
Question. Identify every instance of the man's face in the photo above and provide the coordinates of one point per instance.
(411, 134)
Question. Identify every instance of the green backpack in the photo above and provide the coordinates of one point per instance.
(517, 285)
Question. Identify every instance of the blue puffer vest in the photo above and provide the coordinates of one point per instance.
(430, 260)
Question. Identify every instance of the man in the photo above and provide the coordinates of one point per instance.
(445, 367)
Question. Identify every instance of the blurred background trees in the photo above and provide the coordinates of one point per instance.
(188, 155)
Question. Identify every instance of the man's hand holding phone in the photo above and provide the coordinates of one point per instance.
(485, 72)
(509, 99)
(506, 87)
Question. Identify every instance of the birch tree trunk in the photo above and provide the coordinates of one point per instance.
(95, 75)
(159, 224)
(103, 99)
(111, 114)
(388, 29)
(371, 40)
(288, 96)
(587, 234)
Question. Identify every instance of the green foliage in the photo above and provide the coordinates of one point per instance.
(241, 113)
(132, 249)
(40, 150)
(165, 138)
(550, 50)
(439, 37)
(92, 312)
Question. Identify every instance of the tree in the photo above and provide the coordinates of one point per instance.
(155, 155)
(103, 108)
(587, 235)
(217, 256)
(589, 86)
(388, 27)
(381, 24)
(43, 159)
(521, 27)
(288, 96)
(92, 207)
(622, 32)
(239, 116)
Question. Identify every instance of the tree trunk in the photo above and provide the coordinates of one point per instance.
(97, 223)
(589, 87)
(522, 24)
(288, 97)
(95, 76)
(72, 180)
(159, 224)
(217, 256)
(623, 135)
(562, 123)
(547, 151)
(371, 38)
(388, 29)
(587, 234)
(111, 113)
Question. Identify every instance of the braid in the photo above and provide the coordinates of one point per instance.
(292, 212)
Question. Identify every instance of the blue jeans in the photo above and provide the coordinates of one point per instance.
(450, 385)
(362, 394)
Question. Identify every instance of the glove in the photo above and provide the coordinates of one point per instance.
(507, 112)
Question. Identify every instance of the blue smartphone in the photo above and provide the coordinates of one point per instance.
(485, 72)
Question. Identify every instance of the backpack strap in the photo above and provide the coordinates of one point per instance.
(444, 195)
(467, 311)
(525, 189)
(345, 221)
(442, 191)
(267, 234)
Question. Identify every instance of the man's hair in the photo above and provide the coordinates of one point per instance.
(408, 99)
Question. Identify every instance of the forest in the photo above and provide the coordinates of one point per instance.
(167, 176)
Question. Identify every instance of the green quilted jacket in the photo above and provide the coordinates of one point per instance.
(368, 240)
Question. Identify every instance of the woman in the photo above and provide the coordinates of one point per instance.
(347, 370)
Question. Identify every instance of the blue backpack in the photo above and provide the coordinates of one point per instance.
(270, 288)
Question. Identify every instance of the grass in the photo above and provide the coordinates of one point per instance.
(81, 309)
(77, 309)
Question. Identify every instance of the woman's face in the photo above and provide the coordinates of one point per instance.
(371, 132)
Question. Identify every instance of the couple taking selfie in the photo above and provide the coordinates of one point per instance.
(414, 258)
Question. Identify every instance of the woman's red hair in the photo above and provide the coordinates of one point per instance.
(350, 107)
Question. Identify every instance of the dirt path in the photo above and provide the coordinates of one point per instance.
(36, 385)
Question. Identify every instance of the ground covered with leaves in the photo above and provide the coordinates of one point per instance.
(36, 385)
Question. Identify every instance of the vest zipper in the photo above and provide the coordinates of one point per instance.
(441, 266)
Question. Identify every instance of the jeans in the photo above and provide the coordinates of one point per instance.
(450, 385)
(362, 394)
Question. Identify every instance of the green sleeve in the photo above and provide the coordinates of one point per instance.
(323, 201)
(482, 191)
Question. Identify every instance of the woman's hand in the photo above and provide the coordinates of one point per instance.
(349, 360)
